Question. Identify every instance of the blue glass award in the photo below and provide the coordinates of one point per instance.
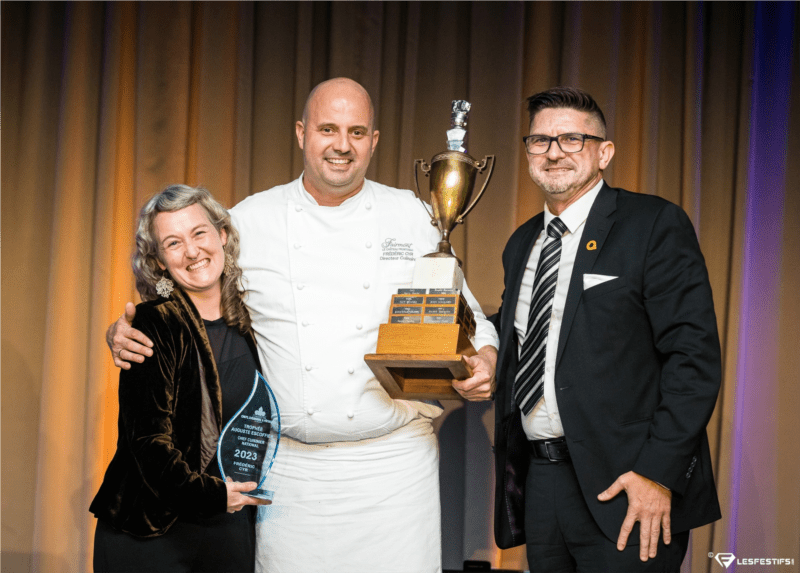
(249, 442)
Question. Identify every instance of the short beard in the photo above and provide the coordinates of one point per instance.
(551, 189)
(555, 189)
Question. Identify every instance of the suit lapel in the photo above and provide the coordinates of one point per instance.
(598, 224)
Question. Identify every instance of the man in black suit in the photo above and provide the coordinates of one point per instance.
(609, 363)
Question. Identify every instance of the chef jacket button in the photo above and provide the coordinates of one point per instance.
(305, 323)
(366, 284)
(368, 205)
(298, 208)
(359, 326)
(351, 370)
(297, 245)
(368, 244)
(310, 411)
(309, 367)
(350, 414)
(301, 286)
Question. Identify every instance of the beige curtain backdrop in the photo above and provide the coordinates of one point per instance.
(104, 104)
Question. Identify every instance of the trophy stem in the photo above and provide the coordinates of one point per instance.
(444, 251)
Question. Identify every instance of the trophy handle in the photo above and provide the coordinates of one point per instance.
(425, 169)
(481, 165)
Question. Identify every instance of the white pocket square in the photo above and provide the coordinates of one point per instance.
(590, 281)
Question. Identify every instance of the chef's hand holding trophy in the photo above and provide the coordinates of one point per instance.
(249, 441)
(422, 347)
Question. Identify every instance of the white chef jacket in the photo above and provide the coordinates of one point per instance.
(319, 282)
(356, 477)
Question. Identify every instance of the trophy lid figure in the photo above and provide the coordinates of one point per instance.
(457, 134)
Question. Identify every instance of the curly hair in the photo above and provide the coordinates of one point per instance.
(569, 98)
(147, 255)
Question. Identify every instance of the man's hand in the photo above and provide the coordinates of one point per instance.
(236, 500)
(482, 384)
(648, 503)
(127, 343)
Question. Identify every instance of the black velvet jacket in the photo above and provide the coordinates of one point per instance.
(169, 422)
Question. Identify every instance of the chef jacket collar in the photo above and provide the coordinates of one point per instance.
(303, 196)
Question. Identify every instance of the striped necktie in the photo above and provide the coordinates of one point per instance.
(529, 383)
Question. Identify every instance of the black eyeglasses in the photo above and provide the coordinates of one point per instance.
(567, 142)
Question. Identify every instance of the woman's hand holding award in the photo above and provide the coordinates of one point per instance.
(249, 441)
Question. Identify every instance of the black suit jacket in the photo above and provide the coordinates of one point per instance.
(637, 369)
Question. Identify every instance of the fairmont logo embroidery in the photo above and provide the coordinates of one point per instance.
(392, 250)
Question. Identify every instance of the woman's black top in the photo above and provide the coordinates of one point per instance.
(236, 367)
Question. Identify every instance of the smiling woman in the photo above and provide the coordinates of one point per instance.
(185, 235)
(191, 251)
(162, 504)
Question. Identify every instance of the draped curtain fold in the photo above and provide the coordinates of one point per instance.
(104, 104)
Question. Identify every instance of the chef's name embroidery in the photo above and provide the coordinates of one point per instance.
(391, 250)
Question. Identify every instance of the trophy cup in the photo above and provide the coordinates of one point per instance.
(249, 442)
(422, 347)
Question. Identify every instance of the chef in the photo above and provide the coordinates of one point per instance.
(356, 479)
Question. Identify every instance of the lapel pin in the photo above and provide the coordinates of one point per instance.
(591, 245)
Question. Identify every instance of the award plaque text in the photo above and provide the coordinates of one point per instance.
(249, 442)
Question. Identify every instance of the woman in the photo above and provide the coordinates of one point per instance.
(162, 505)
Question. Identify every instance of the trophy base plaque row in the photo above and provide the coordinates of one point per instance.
(421, 349)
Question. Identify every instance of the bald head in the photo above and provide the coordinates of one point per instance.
(338, 138)
(340, 87)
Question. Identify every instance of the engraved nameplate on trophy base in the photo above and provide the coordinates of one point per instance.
(406, 319)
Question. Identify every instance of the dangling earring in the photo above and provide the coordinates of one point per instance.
(229, 262)
(164, 286)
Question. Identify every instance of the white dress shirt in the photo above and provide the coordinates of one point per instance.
(544, 420)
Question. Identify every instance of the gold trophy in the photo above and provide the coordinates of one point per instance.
(422, 347)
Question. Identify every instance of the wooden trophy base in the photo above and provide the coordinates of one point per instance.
(420, 361)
